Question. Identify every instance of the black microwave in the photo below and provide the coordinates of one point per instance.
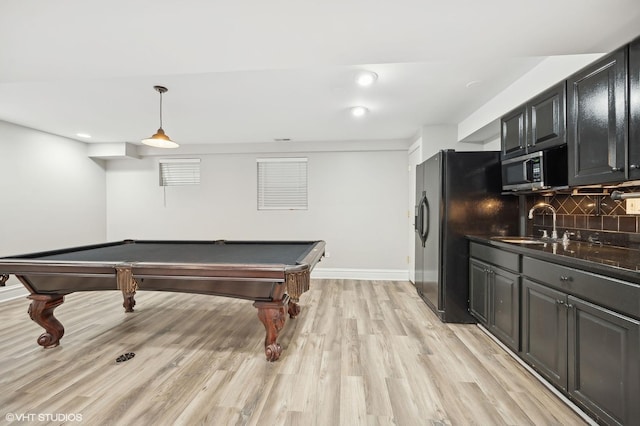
(538, 170)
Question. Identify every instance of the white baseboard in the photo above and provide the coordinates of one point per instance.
(361, 274)
(11, 292)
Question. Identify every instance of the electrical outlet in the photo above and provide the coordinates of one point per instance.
(633, 206)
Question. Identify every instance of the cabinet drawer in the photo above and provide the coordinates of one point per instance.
(618, 295)
(498, 257)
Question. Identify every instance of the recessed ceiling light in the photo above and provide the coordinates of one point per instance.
(366, 78)
(83, 135)
(359, 111)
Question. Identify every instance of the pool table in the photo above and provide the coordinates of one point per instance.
(271, 273)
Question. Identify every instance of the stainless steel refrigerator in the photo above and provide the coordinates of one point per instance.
(457, 194)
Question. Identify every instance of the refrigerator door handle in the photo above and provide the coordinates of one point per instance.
(424, 209)
(418, 216)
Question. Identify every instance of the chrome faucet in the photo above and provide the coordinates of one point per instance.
(554, 233)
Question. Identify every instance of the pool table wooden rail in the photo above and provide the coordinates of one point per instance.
(233, 280)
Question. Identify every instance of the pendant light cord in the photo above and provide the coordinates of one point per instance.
(161, 110)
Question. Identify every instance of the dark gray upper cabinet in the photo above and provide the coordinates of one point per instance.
(546, 119)
(597, 121)
(634, 110)
(539, 124)
(512, 133)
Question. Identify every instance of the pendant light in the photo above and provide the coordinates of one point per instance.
(160, 140)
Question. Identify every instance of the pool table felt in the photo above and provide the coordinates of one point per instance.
(287, 253)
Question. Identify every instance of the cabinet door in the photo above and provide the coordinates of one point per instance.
(512, 133)
(546, 119)
(604, 361)
(634, 110)
(504, 307)
(597, 121)
(479, 290)
(544, 331)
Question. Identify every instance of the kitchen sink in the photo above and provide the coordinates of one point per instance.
(520, 240)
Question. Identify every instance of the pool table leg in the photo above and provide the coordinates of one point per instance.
(41, 311)
(294, 308)
(129, 301)
(273, 316)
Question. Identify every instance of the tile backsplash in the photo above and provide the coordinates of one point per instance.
(588, 217)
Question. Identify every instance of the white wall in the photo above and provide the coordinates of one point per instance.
(357, 204)
(435, 138)
(415, 158)
(51, 194)
(493, 144)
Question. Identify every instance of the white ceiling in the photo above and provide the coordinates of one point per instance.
(255, 70)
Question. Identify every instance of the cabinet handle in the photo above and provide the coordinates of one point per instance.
(563, 278)
(634, 166)
(617, 169)
(560, 302)
(570, 306)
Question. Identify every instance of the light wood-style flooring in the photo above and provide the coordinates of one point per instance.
(360, 353)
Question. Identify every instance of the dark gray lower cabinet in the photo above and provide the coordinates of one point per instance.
(479, 290)
(504, 307)
(494, 300)
(579, 330)
(604, 372)
(544, 331)
(589, 351)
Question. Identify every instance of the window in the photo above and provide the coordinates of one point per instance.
(282, 183)
(179, 171)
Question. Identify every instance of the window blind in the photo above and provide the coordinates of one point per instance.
(179, 171)
(282, 183)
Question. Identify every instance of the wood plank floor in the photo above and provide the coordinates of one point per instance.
(361, 352)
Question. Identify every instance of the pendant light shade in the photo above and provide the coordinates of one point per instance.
(160, 139)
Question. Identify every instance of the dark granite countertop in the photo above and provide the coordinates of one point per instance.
(616, 262)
